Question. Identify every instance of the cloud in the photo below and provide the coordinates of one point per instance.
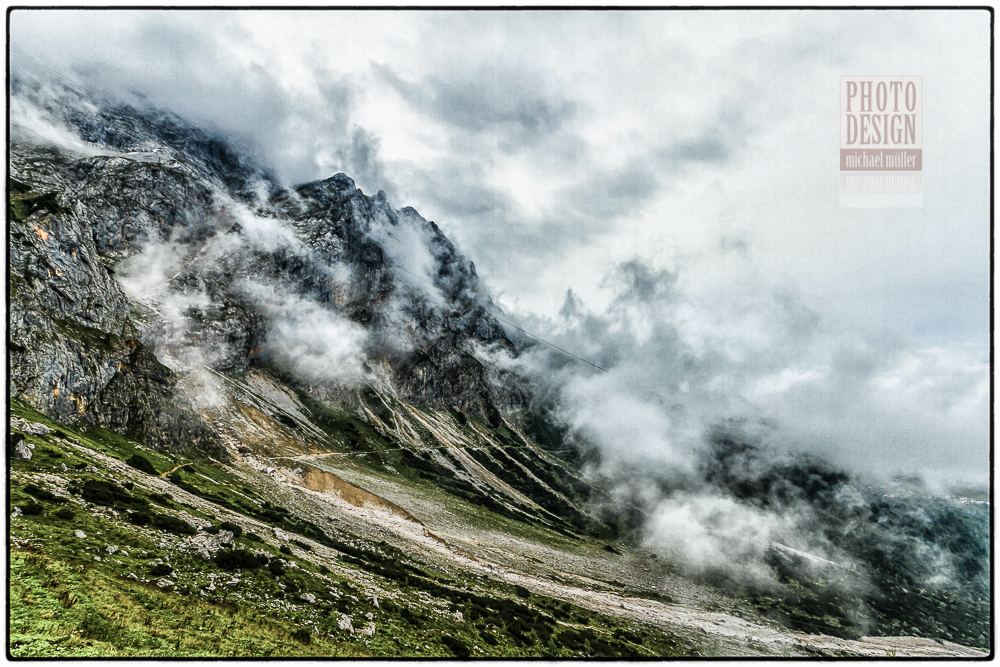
(196, 67)
(512, 105)
(314, 343)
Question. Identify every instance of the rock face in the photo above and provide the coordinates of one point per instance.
(207, 241)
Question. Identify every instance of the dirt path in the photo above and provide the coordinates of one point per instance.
(176, 467)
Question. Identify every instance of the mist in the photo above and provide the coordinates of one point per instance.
(741, 420)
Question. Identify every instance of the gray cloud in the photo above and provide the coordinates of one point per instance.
(171, 62)
(513, 105)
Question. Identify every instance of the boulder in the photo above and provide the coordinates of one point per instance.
(132, 577)
(164, 583)
(80, 534)
(21, 448)
(308, 597)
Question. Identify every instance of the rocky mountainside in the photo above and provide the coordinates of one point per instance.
(285, 410)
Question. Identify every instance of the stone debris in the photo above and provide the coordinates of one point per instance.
(164, 583)
(308, 597)
(34, 428)
(367, 631)
(111, 549)
(345, 623)
(458, 617)
(16, 513)
(370, 616)
(206, 544)
(132, 577)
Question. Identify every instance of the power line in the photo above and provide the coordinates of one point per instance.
(71, 83)
(553, 345)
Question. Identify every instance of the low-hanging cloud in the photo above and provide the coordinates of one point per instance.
(314, 343)
(697, 359)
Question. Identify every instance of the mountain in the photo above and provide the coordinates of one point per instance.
(290, 412)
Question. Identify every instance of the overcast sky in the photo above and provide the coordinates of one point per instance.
(554, 146)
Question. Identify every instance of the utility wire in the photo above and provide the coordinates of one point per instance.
(72, 84)
(550, 344)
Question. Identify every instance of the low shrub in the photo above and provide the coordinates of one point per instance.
(162, 499)
(139, 518)
(276, 567)
(238, 559)
(233, 528)
(65, 514)
(173, 525)
(302, 636)
(456, 646)
(142, 464)
(41, 494)
(302, 545)
(285, 549)
(34, 509)
(161, 570)
(99, 492)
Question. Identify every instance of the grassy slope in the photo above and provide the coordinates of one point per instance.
(65, 602)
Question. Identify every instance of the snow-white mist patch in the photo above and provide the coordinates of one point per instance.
(311, 341)
(408, 244)
(34, 123)
(708, 532)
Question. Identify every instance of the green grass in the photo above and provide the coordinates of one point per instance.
(67, 603)
(64, 610)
